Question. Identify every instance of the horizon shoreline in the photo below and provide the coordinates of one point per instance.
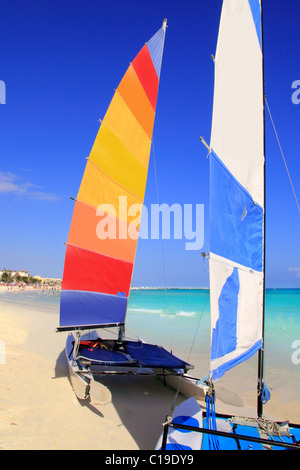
(40, 287)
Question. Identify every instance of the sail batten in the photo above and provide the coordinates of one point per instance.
(237, 189)
(103, 235)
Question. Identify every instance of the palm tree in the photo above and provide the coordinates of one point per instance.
(6, 277)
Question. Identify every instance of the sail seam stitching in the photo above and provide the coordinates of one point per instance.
(98, 253)
(129, 224)
(114, 181)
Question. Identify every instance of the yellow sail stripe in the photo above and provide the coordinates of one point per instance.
(98, 188)
(120, 119)
(114, 158)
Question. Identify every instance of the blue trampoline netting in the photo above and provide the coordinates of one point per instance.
(129, 353)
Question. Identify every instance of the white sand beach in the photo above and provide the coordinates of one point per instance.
(38, 409)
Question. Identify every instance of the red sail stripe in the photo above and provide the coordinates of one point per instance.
(88, 271)
(146, 72)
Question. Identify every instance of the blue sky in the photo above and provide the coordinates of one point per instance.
(61, 62)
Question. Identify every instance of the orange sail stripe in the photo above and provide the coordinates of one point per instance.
(87, 227)
(146, 72)
(134, 95)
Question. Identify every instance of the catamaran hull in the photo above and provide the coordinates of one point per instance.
(188, 430)
(82, 380)
(189, 412)
(96, 358)
(190, 387)
(241, 437)
(80, 383)
(185, 385)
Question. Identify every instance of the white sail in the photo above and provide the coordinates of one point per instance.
(237, 188)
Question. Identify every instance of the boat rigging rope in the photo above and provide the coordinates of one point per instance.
(190, 351)
(284, 160)
(197, 328)
(211, 419)
(161, 243)
(265, 426)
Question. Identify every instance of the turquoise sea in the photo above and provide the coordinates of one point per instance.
(179, 320)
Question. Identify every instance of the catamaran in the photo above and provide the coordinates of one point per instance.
(102, 241)
(237, 244)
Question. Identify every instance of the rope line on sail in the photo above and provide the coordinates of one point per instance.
(284, 160)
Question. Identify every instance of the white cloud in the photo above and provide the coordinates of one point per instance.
(14, 184)
(295, 270)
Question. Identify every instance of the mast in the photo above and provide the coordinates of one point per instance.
(261, 351)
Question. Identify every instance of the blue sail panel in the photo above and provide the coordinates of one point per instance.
(256, 13)
(218, 372)
(236, 314)
(236, 270)
(224, 335)
(236, 220)
(155, 47)
(80, 308)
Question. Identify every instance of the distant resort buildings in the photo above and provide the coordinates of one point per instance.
(18, 278)
(8, 276)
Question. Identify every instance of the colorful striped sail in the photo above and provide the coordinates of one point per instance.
(102, 240)
(237, 188)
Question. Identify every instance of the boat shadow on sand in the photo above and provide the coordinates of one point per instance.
(141, 403)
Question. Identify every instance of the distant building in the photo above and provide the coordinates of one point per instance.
(48, 280)
(25, 274)
(13, 274)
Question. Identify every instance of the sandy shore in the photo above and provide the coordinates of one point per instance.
(38, 409)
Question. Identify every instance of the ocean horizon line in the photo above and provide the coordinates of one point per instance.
(197, 288)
